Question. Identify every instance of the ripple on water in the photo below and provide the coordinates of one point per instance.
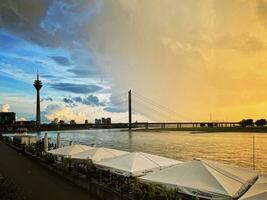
(231, 148)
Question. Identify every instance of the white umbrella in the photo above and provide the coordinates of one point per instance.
(258, 191)
(205, 179)
(45, 142)
(98, 154)
(136, 163)
(68, 151)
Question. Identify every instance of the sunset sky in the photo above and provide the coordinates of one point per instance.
(184, 59)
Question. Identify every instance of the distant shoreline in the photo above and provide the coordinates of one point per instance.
(200, 130)
(196, 130)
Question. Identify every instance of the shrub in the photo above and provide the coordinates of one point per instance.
(50, 159)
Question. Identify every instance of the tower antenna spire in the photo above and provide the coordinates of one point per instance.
(37, 73)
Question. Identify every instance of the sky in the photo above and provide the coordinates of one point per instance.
(184, 60)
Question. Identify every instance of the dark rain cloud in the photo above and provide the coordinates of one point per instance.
(48, 76)
(24, 19)
(55, 23)
(76, 88)
(47, 99)
(82, 72)
(91, 100)
(49, 22)
(61, 60)
(115, 109)
(68, 100)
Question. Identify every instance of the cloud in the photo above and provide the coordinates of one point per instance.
(64, 113)
(68, 100)
(24, 19)
(84, 71)
(115, 109)
(66, 21)
(91, 100)
(82, 112)
(61, 60)
(197, 60)
(22, 119)
(76, 88)
(47, 99)
(262, 11)
(243, 43)
(5, 108)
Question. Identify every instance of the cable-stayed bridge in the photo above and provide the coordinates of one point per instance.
(137, 111)
(156, 115)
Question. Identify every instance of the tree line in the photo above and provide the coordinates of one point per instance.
(250, 122)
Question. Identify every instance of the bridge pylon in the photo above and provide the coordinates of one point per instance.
(130, 108)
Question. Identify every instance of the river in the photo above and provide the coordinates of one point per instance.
(232, 148)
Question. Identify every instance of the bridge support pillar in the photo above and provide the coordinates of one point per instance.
(146, 125)
(130, 108)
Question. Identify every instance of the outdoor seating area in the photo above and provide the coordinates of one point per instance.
(205, 179)
(136, 164)
(126, 171)
(139, 175)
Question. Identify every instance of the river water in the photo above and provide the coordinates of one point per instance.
(232, 148)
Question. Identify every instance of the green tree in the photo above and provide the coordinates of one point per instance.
(246, 122)
(261, 122)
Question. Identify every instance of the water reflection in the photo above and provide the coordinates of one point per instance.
(232, 148)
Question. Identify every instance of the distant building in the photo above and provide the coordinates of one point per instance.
(72, 122)
(86, 121)
(97, 121)
(7, 118)
(108, 120)
(103, 121)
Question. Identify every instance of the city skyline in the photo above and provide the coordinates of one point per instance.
(197, 58)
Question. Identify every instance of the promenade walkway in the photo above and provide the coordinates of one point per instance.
(35, 180)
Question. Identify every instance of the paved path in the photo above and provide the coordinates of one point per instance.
(37, 181)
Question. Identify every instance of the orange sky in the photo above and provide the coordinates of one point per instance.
(196, 57)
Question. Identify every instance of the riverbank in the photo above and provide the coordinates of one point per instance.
(208, 129)
(101, 183)
(35, 180)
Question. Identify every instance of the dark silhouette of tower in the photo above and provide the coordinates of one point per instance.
(38, 85)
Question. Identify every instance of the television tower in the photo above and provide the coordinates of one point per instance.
(38, 85)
